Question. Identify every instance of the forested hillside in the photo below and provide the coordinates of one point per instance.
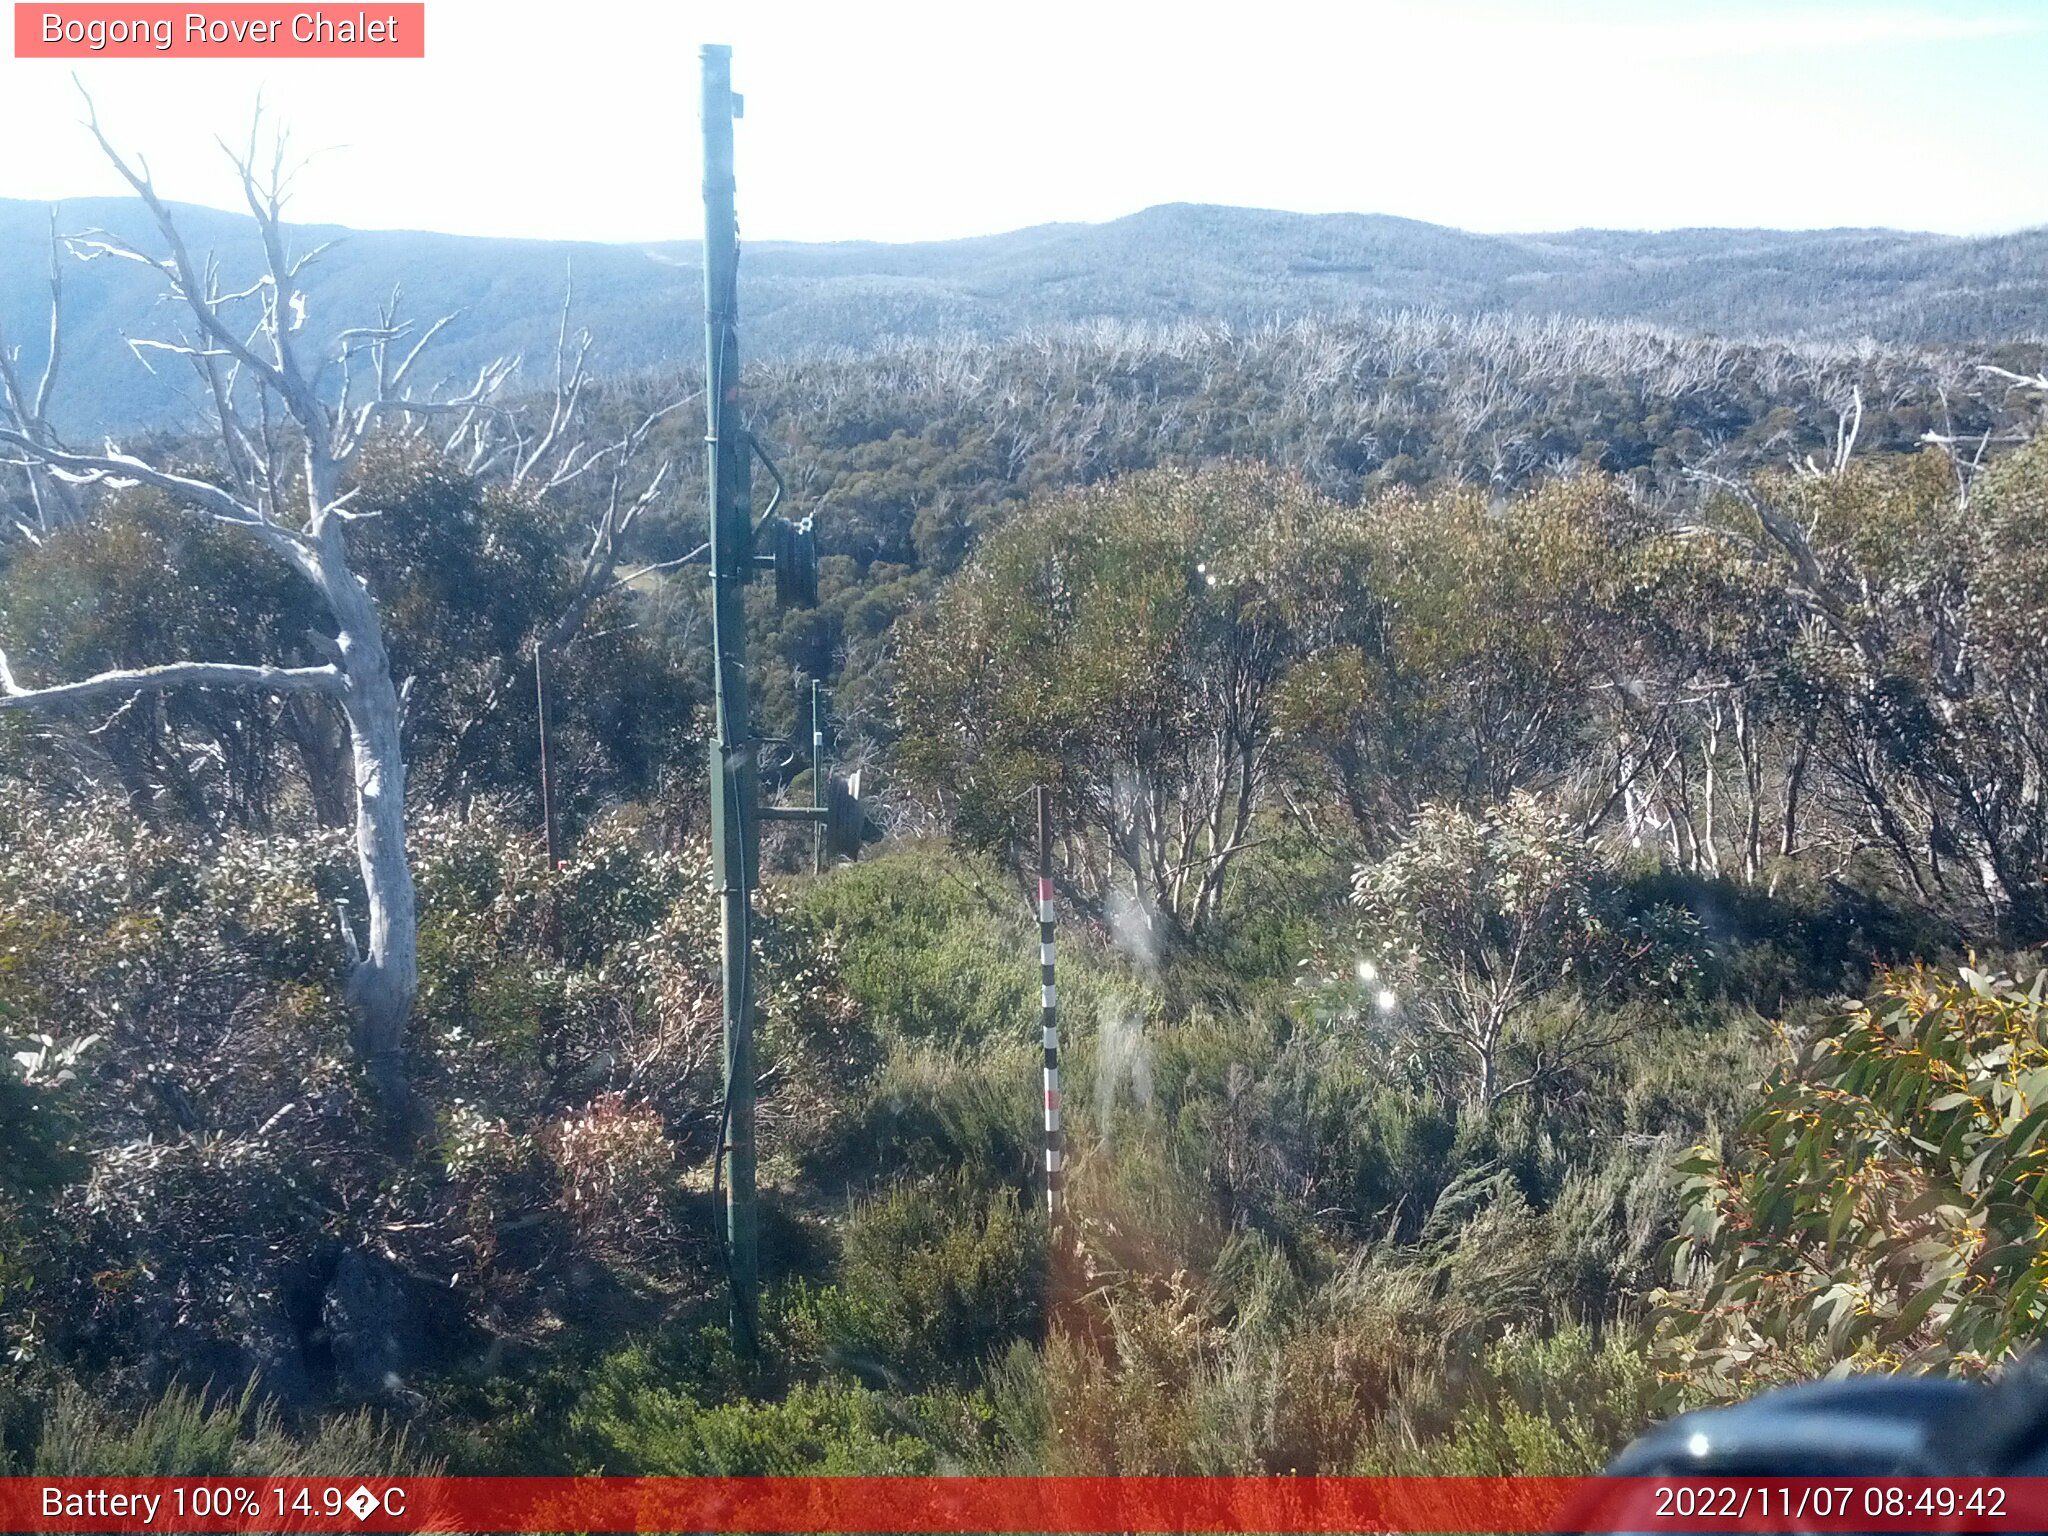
(1234, 266)
(1551, 829)
(909, 454)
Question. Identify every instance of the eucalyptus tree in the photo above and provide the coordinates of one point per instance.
(1922, 656)
(1471, 919)
(289, 422)
(1483, 638)
(1132, 646)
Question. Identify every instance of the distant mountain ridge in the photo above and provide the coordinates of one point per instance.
(1175, 262)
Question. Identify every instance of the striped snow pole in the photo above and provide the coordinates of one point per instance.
(1048, 1010)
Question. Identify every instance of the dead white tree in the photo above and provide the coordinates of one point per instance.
(289, 420)
(51, 502)
(288, 431)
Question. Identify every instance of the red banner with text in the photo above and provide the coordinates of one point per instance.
(1017, 1504)
(228, 31)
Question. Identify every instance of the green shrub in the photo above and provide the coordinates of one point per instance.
(1881, 1208)
(179, 1435)
(827, 1428)
(1557, 1405)
(184, 1434)
(274, 901)
(1389, 1151)
(1139, 1208)
(934, 1279)
(928, 1113)
(21, 1413)
(1279, 889)
(1113, 1390)
(37, 1151)
(358, 1444)
(935, 949)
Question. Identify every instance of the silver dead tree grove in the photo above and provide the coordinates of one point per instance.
(287, 425)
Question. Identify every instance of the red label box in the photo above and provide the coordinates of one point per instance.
(1053, 1506)
(378, 30)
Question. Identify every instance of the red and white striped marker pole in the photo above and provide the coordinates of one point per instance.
(1048, 1011)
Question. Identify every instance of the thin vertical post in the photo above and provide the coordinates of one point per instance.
(817, 782)
(547, 778)
(735, 824)
(1049, 1011)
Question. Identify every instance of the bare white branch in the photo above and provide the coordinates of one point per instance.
(115, 468)
(176, 674)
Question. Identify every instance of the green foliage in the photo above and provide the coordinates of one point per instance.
(1536, 1405)
(933, 948)
(1902, 562)
(181, 1435)
(1471, 919)
(832, 1428)
(1800, 937)
(1419, 1357)
(934, 1279)
(1571, 733)
(1273, 910)
(1490, 640)
(1881, 1207)
(185, 1434)
(925, 1114)
(36, 1155)
(568, 1028)
(141, 584)
(1125, 645)
(464, 578)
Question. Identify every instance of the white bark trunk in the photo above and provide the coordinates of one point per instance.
(383, 983)
(385, 979)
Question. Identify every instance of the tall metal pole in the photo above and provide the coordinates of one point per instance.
(817, 782)
(1049, 1012)
(735, 824)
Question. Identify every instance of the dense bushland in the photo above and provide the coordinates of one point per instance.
(1471, 880)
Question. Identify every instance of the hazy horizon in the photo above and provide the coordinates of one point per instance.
(293, 218)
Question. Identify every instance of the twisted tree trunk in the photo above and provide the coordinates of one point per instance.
(385, 976)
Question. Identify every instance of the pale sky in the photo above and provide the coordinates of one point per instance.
(899, 120)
